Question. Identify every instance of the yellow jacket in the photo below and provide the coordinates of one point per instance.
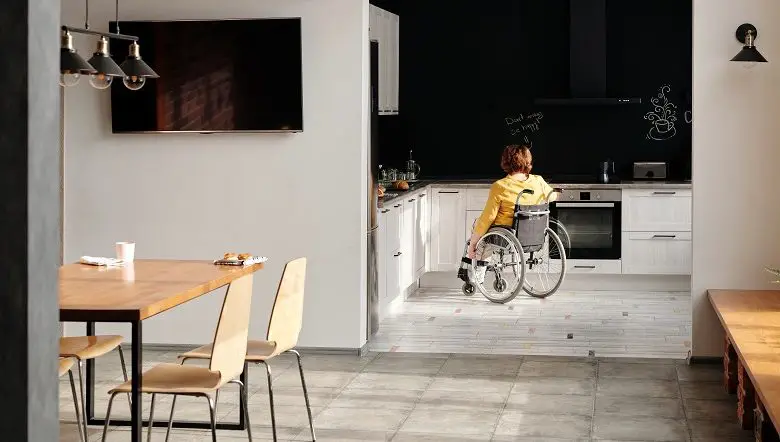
(500, 207)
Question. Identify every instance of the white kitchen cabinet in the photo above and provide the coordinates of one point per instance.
(407, 243)
(656, 253)
(471, 218)
(394, 225)
(656, 210)
(476, 199)
(421, 234)
(382, 255)
(384, 28)
(593, 266)
(448, 228)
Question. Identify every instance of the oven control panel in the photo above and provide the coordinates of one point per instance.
(590, 195)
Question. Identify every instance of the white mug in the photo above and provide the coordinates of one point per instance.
(125, 251)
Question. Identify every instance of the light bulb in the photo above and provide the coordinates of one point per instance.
(69, 79)
(100, 80)
(133, 82)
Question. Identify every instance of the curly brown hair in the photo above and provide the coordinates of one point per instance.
(516, 159)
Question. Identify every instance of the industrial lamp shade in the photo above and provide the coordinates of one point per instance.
(103, 63)
(746, 34)
(134, 66)
(70, 61)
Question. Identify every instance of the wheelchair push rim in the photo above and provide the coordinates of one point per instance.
(545, 268)
(498, 270)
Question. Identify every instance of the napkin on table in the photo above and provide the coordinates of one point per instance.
(101, 261)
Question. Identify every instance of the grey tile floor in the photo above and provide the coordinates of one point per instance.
(569, 323)
(404, 397)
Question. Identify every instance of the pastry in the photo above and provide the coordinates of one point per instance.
(244, 256)
(401, 185)
(230, 257)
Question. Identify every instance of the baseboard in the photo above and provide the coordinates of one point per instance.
(181, 348)
(670, 283)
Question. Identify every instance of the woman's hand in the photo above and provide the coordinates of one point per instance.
(472, 249)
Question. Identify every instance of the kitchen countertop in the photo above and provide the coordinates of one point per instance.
(479, 183)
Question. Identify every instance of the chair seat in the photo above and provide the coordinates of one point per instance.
(88, 347)
(65, 365)
(256, 351)
(176, 379)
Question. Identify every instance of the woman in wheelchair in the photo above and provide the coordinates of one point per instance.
(512, 236)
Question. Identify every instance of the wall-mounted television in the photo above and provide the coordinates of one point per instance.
(215, 76)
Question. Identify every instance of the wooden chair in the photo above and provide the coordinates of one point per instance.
(82, 348)
(225, 366)
(283, 330)
(65, 367)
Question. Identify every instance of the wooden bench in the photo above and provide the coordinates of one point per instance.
(751, 359)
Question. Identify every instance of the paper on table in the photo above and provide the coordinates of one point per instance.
(101, 261)
(247, 262)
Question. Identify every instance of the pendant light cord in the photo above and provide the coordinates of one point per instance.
(117, 17)
(86, 13)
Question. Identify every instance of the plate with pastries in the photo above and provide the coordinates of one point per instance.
(240, 259)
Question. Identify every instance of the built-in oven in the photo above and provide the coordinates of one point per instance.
(591, 218)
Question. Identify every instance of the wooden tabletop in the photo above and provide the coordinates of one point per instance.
(751, 319)
(140, 290)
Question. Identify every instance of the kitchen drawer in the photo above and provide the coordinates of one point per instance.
(476, 199)
(656, 253)
(656, 210)
(593, 266)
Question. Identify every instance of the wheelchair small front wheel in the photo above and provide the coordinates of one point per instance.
(498, 268)
(468, 289)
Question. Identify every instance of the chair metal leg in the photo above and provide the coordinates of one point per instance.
(82, 436)
(270, 397)
(124, 373)
(305, 393)
(245, 397)
(170, 419)
(108, 416)
(83, 401)
(151, 419)
(213, 412)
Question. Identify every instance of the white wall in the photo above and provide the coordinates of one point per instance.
(297, 194)
(736, 115)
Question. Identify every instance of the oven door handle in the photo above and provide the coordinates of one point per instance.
(584, 205)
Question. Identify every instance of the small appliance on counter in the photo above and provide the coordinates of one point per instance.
(650, 171)
(606, 171)
(412, 168)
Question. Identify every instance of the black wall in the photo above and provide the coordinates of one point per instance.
(467, 66)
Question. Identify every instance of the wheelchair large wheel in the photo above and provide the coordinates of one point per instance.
(545, 268)
(498, 268)
(562, 233)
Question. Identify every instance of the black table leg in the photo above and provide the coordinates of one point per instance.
(241, 404)
(136, 418)
(90, 399)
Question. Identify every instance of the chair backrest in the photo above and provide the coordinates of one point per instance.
(287, 314)
(230, 340)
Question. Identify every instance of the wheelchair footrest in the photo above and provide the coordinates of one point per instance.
(463, 275)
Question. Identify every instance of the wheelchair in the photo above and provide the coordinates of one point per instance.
(529, 256)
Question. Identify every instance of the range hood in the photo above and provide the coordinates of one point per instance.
(587, 58)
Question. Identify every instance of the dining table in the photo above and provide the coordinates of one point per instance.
(132, 293)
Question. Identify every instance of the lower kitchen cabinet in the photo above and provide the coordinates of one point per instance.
(448, 228)
(421, 234)
(382, 255)
(657, 253)
(408, 269)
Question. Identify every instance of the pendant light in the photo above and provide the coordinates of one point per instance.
(136, 70)
(106, 67)
(746, 34)
(72, 66)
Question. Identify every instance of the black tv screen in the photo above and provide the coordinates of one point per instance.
(215, 76)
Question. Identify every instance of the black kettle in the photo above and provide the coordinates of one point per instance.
(606, 170)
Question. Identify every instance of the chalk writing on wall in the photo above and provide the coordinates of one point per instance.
(662, 117)
(522, 125)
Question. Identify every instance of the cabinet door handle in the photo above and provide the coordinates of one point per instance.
(449, 191)
(584, 267)
(397, 206)
(412, 200)
(421, 195)
(664, 193)
(397, 254)
(386, 210)
(665, 236)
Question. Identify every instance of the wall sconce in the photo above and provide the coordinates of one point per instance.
(746, 34)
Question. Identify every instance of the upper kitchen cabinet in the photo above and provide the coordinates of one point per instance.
(384, 27)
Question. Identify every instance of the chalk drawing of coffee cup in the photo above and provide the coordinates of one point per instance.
(663, 126)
